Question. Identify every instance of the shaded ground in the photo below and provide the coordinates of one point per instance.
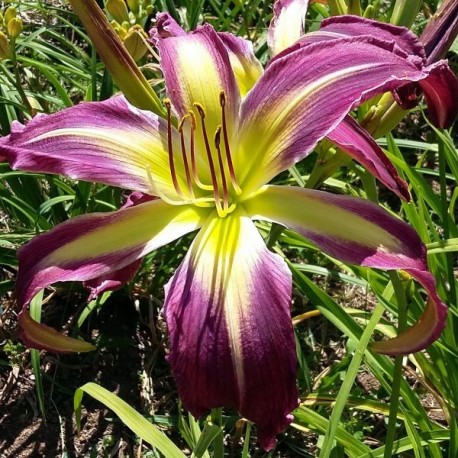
(118, 365)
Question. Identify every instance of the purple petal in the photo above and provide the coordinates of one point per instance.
(42, 337)
(356, 231)
(112, 281)
(109, 142)
(231, 337)
(91, 246)
(287, 24)
(247, 68)
(442, 83)
(118, 278)
(441, 94)
(196, 69)
(304, 95)
(165, 27)
(357, 143)
(355, 26)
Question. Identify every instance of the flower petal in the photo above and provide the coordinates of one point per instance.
(441, 94)
(303, 96)
(287, 24)
(38, 335)
(357, 143)
(117, 278)
(196, 69)
(109, 142)
(165, 27)
(247, 68)
(354, 26)
(112, 281)
(90, 246)
(440, 88)
(358, 232)
(231, 337)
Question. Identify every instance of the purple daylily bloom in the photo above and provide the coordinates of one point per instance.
(230, 129)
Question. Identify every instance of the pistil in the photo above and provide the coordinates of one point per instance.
(168, 107)
(211, 165)
(221, 169)
(195, 175)
(184, 156)
(222, 101)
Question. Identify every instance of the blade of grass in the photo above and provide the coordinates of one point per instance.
(35, 313)
(130, 417)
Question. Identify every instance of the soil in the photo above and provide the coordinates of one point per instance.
(122, 364)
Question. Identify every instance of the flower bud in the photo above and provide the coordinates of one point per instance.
(134, 6)
(4, 46)
(118, 9)
(134, 43)
(441, 31)
(10, 13)
(14, 27)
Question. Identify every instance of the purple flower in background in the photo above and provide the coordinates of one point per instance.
(230, 128)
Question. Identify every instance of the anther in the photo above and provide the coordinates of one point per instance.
(222, 101)
(216, 193)
(168, 107)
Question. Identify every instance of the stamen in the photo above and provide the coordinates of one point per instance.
(200, 202)
(221, 168)
(168, 106)
(216, 193)
(201, 185)
(222, 101)
(183, 153)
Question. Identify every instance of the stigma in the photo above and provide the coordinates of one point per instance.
(215, 163)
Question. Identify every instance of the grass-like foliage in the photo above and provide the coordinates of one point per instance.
(353, 401)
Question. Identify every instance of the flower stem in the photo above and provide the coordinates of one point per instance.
(218, 444)
(18, 82)
(445, 218)
(347, 384)
(397, 373)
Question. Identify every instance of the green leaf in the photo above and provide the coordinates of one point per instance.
(129, 416)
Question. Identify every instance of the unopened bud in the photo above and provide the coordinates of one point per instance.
(135, 44)
(14, 27)
(4, 46)
(122, 33)
(10, 13)
(149, 9)
(134, 6)
(118, 9)
(369, 12)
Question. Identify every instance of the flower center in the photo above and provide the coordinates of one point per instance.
(224, 185)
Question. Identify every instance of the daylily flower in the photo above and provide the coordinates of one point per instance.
(208, 164)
